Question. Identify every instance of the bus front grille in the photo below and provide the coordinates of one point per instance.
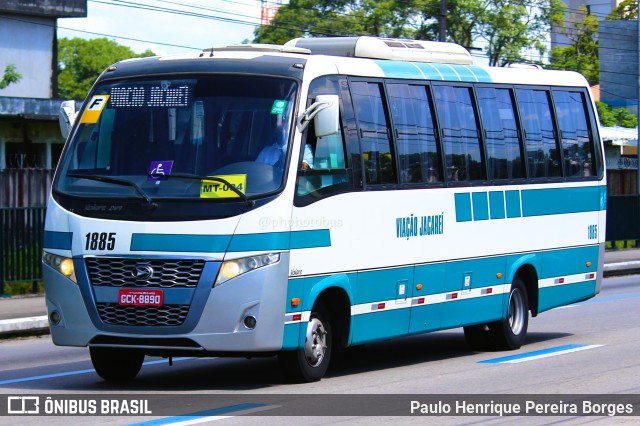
(166, 315)
(164, 273)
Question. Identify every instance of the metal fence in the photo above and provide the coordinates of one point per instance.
(21, 237)
(623, 217)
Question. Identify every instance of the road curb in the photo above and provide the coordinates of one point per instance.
(621, 268)
(35, 325)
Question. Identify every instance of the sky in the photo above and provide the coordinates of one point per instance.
(132, 23)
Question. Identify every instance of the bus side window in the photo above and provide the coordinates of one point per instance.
(501, 134)
(412, 114)
(577, 144)
(459, 130)
(323, 169)
(373, 128)
(543, 155)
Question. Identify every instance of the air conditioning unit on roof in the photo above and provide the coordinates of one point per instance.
(386, 48)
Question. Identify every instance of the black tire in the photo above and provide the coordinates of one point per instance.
(115, 364)
(310, 363)
(511, 332)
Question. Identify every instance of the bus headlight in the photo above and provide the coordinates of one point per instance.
(232, 268)
(62, 264)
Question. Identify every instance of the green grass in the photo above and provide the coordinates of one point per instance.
(21, 288)
(621, 244)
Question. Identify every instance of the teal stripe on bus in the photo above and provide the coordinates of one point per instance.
(180, 242)
(530, 202)
(541, 202)
(433, 71)
(463, 207)
(513, 203)
(552, 297)
(57, 240)
(395, 69)
(496, 204)
(231, 243)
(556, 263)
(480, 206)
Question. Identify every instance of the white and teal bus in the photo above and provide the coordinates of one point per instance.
(295, 200)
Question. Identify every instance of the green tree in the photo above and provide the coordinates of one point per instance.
(507, 26)
(10, 75)
(81, 61)
(615, 116)
(628, 9)
(582, 54)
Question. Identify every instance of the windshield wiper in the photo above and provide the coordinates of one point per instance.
(240, 194)
(123, 182)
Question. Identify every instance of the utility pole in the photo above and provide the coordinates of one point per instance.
(442, 21)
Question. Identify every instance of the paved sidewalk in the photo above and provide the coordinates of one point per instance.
(28, 314)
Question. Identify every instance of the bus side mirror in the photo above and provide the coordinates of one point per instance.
(66, 117)
(325, 112)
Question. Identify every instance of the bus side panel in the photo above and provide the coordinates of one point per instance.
(382, 304)
(426, 312)
(474, 291)
(567, 276)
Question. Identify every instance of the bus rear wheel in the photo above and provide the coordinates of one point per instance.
(506, 334)
(116, 364)
(511, 332)
(310, 363)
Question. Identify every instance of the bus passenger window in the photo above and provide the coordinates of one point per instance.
(504, 150)
(412, 114)
(543, 156)
(374, 134)
(460, 139)
(577, 145)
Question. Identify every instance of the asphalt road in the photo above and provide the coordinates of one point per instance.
(587, 348)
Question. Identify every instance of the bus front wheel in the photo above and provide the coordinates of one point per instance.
(116, 364)
(310, 363)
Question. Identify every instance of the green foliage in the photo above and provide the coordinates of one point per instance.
(22, 288)
(10, 75)
(610, 117)
(507, 26)
(628, 9)
(81, 61)
(582, 54)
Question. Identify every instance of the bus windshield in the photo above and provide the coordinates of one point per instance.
(161, 138)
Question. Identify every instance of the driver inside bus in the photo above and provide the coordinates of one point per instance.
(275, 153)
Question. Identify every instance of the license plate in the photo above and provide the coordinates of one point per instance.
(140, 297)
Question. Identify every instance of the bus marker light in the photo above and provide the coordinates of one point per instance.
(590, 276)
(499, 275)
(489, 290)
(380, 305)
(419, 287)
(588, 264)
(295, 301)
(421, 301)
(297, 317)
